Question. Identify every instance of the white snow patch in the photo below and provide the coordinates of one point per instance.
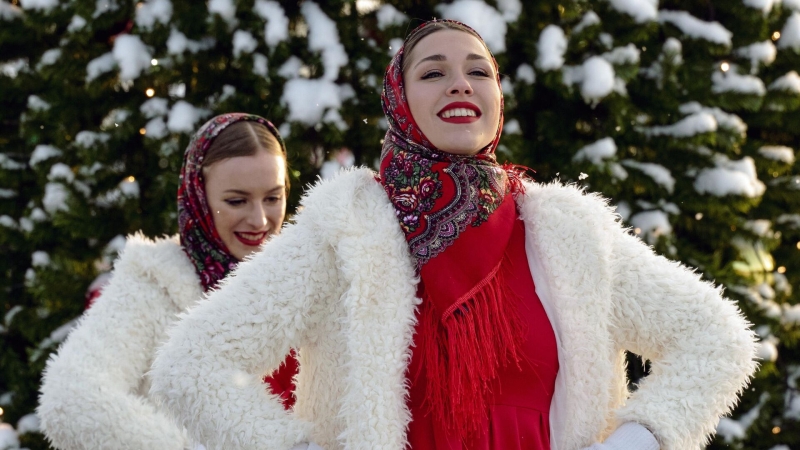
(156, 128)
(394, 46)
(37, 215)
(342, 160)
(29, 423)
(152, 11)
(623, 209)
(88, 139)
(623, 55)
(731, 81)
(389, 16)
(730, 178)
(790, 34)
(100, 65)
(759, 52)
(789, 82)
(277, 28)
(777, 153)
(61, 171)
(7, 221)
(694, 124)
(792, 4)
(791, 315)
(9, 12)
(183, 117)
(40, 259)
(725, 120)
(7, 193)
(660, 174)
(131, 56)
(43, 152)
(8, 437)
(323, 36)
(589, 19)
(596, 77)
(651, 224)
(767, 351)
(103, 6)
(178, 43)
(225, 9)
(49, 58)
(76, 24)
(731, 429)
(487, 21)
(12, 68)
(551, 47)
(507, 86)
(291, 68)
(7, 163)
(35, 103)
(693, 27)
(154, 107)
(40, 5)
(243, 42)
(260, 65)
(641, 10)
(512, 127)
(307, 100)
(597, 151)
(761, 227)
(511, 9)
(526, 74)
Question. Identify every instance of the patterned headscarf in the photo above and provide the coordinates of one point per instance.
(199, 237)
(457, 213)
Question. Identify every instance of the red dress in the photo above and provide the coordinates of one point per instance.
(518, 416)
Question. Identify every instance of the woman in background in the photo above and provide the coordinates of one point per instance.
(450, 304)
(231, 199)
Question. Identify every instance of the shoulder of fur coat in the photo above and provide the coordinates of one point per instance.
(94, 389)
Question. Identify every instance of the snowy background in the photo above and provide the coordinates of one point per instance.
(686, 115)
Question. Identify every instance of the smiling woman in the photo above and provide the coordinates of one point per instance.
(94, 392)
(448, 303)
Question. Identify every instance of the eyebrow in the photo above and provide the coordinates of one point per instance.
(241, 192)
(440, 57)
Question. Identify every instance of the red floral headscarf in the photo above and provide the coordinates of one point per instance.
(199, 237)
(457, 213)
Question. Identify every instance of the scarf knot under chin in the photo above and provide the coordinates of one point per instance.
(457, 213)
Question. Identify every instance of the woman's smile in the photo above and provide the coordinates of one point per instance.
(460, 112)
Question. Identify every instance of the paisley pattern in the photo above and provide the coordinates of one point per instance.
(436, 194)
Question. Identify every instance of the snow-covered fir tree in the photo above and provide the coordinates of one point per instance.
(686, 114)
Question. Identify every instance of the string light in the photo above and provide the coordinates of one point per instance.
(781, 269)
(130, 179)
(1, 411)
(698, 216)
(776, 35)
(798, 245)
(142, 131)
(776, 430)
(724, 66)
(154, 62)
(150, 92)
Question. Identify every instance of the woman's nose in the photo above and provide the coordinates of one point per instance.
(257, 217)
(460, 86)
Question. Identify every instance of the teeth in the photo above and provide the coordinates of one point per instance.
(459, 112)
(251, 236)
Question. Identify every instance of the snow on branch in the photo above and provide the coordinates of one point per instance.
(730, 178)
(9, 12)
(730, 81)
(597, 151)
(389, 16)
(692, 125)
(277, 28)
(790, 35)
(725, 120)
(789, 82)
(550, 48)
(693, 27)
(487, 21)
(131, 55)
(323, 36)
(660, 174)
(641, 10)
(777, 153)
(152, 11)
(39, 5)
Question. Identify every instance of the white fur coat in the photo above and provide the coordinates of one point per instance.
(339, 285)
(94, 391)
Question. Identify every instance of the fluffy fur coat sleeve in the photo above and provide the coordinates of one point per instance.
(94, 390)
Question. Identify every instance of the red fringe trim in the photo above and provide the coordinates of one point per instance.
(465, 349)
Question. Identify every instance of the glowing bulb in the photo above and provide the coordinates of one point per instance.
(142, 131)
(698, 216)
(154, 62)
(776, 35)
(725, 67)
(637, 230)
(798, 245)
(130, 179)
(776, 430)
(781, 269)
(150, 92)
(1, 411)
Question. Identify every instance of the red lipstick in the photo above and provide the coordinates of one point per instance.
(251, 242)
(460, 119)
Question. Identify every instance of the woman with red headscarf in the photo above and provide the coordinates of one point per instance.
(231, 198)
(449, 303)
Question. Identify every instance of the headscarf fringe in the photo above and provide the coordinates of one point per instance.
(465, 350)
